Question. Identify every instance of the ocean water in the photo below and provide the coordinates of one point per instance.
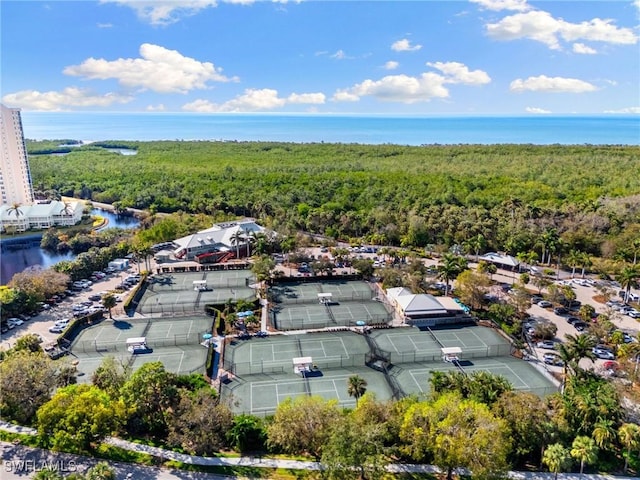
(401, 130)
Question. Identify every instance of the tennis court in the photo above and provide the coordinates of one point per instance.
(177, 293)
(410, 345)
(297, 305)
(275, 354)
(307, 292)
(263, 394)
(111, 336)
(183, 359)
(414, 378)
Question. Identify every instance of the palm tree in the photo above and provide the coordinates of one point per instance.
(477, 243)
(556, 457)
(356, 387)
(573, 260)
(604, 433)
(585, 262)
(549, 240)
(629, 435)
(628, 278)
(236, 239)
(581, 346)
(449, 269)
(109, 301)
(15, 209)
(584, 449)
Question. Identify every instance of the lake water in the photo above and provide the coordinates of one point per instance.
(14, 261)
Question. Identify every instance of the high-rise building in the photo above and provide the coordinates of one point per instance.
(15, 177)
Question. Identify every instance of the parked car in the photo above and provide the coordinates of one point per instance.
(16, 321)
(560, 311)
(546, 344)
(536, 299)
(580, 326)
(545, 304)
(56, 329)
(573, 320)
(603, 353)
(552, 359)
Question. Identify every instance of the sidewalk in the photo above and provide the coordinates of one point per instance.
(297, 464)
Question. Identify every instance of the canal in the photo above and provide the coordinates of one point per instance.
(14, 261)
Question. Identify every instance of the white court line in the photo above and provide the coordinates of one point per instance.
(170, 326)
(416, 382)
(190, 327)
(181, 359)
(273, 354)
(346, 352)
(393, 344)
(324, 352)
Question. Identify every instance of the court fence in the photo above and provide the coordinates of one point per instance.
(288, 324)
(89, 346)
(279, 366)
(285, 298)
(217, 283)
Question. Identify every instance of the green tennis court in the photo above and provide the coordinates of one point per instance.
(261, 394)
(307, 292)
(275, 354)
(181, 360)
(410, 345)
(414, 378)
(111, 336)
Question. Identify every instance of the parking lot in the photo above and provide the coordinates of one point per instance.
(45, 320)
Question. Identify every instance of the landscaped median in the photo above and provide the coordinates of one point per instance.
(174, 458)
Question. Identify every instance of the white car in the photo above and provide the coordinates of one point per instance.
(16, 321)
(546, 344)
(603, 353)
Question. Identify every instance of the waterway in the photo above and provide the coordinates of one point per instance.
(14, 261)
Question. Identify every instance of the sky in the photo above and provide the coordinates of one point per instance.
(475, 57)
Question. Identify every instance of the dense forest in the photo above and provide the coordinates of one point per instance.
(381, 194)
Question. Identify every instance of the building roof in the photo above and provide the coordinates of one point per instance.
(420, 304)
(219, 236)
(395, 292)
(494, 257)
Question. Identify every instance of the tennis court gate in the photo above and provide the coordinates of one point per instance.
(380, 360)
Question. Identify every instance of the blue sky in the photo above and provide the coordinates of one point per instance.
(379, 57)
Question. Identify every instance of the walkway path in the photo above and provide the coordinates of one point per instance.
(278, 463)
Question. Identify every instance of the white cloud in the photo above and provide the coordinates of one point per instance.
(312, 98)
(583, 49)
(543, 27)
(65, 99)
(156, 108)
(104, 25)
(339, 55)
(391, 65)
(407, 89)
(397, 88)
(404, 45)
(164, 12)
(459, 73)
(159, 69)
(497, 5)
(254, 100)
(633, 110)
(546, 84)
(537, 110)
